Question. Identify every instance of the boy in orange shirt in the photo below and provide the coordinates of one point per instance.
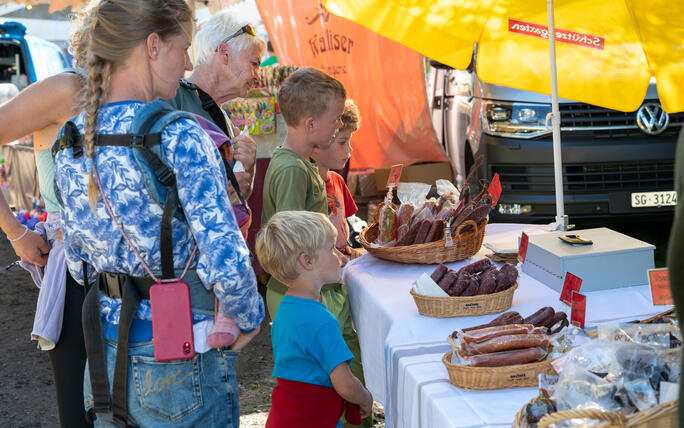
(335, 156)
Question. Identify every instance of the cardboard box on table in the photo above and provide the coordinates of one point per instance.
(415, 173)
(613, 260)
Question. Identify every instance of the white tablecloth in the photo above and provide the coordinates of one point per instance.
(401, 349)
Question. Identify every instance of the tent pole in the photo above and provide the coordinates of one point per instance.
(561, 218)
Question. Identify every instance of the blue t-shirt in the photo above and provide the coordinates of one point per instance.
(307, 342)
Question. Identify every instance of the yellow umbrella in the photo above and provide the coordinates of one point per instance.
(604, 53)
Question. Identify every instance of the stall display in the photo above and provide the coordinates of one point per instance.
(436, 230)
(476, 289)
(509, 352)
(628, 377)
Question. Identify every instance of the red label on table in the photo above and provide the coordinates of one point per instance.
(571, 283)
(659, 279)
(494, 189)
(578, 309)
(394, 175)
(522, 249)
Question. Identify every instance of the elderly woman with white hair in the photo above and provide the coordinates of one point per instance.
(226, 54)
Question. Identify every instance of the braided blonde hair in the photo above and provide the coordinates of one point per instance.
(107, 31)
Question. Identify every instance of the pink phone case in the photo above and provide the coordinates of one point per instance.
(171, 321)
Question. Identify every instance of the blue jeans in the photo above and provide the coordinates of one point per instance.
(202, 391)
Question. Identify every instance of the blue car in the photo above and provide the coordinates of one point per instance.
(26, 59)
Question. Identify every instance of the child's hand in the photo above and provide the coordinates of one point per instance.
(244, 339)
(355, 253)
(366, 408)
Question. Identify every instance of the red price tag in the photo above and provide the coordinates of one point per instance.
(394, 175)
(659, 279)
(578, 309)
(522, 249)
(571, 283)
(494, 189)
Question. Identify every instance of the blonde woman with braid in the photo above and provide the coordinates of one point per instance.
(135, 51)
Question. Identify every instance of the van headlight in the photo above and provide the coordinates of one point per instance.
(515, 120)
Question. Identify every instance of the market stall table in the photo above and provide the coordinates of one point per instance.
(402, 350)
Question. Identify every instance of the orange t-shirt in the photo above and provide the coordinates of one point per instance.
(340, 206)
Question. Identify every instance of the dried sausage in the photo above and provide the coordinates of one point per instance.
(487, 282)
(508, 343)
(421, 237)
(541, 317)
(439, 272)
(462, 282)
(473, 287)
(508, 358)
(482, 334)
(447, 281)
(436, 231)
(411, 234)
(507, 276)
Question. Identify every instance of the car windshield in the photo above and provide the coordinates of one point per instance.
(47, 58)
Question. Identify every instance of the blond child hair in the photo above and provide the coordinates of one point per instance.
(351, 118)
(286, 236)
(307, 93)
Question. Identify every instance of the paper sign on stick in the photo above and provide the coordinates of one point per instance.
(659, 280)
(394, 175)
(522, 249)
(578, 309)
(494, 189)
(571, 283)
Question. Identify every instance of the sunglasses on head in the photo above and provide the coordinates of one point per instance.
(247, 29)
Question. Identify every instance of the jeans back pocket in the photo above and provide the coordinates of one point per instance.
(171, 390)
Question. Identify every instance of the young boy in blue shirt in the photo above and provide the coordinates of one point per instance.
(311, 359)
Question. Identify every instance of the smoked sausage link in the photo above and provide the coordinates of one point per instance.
(483, 334)
(439, 272)
(508, 358)
(507, 343)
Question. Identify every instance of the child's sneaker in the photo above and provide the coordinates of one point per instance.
(225, 332)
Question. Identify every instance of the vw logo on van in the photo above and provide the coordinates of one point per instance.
(652, 119)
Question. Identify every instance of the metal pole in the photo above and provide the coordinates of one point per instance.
(561, 218)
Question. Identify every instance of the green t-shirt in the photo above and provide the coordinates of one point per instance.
(291, 184)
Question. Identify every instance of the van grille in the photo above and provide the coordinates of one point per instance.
(585, 178)
(597, 122)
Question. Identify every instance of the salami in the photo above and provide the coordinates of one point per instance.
(447, 281)
(511, 317)
(508, 343)
(473, 287)
(483, 334)
(462, 282)
(542, 317)
(436, 231)
(477, 266)
(421, 236)
(507, 276)
(439, 272)
(411, 234)
(507, 358)
(488, 282)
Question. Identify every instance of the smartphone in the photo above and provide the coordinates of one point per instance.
(171, 321)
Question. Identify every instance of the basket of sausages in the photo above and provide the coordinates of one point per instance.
(509, 352)
(476, 289)
(437, 230)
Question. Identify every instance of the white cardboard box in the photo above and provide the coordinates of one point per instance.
(614, 260)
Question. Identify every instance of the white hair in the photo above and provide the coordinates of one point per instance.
(217, 28)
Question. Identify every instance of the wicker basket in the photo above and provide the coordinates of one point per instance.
(662, 416)
(446, 307)
(518, 376)
(466, 244)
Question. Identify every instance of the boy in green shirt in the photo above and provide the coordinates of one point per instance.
(312, 104)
